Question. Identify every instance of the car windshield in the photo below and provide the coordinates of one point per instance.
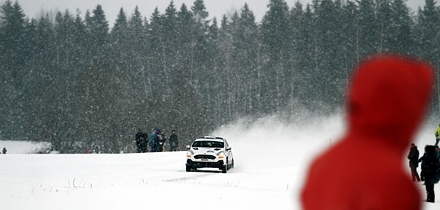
(213, 144)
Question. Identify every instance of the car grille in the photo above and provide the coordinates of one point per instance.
(204, 157)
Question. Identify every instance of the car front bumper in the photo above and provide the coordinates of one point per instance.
(201, 164)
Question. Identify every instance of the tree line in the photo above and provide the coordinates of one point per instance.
(74, 81)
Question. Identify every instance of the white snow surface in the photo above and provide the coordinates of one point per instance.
(271, 159)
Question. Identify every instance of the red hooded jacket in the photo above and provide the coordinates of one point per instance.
(387, 100)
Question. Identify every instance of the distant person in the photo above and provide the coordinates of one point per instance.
(141, 141)
(387, 98)
(97, 150)
(174, 142)
(144, 142)
(413, 157)
(153, 141)
(138, 138)
(161, 141)
(437, 136)
(430, 171)
(4, 150)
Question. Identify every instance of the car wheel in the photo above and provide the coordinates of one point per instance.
(232, 164)
(225, 169)
(188, 168)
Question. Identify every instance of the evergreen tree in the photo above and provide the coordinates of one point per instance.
(139, 91)
(427, 40)
(245, 41)
(402, 41)
(12, 60)
(200, 54)
(275, 40)
(385, 24)
(99, 28)
(41, 105)
(325, 74)
(120, 38)
(171, 60)
(368, 29)
(428, 34)
(302, 23)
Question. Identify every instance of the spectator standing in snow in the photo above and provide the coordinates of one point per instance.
(174, 142)
(437, 136)
(4, 150)
(430, 170)
(139, 138)
(161, 141)
(153, 141)
(97, 150)
(143, 142)
(387, 98)
(413, 157)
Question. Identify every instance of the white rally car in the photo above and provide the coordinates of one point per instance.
(209, 152)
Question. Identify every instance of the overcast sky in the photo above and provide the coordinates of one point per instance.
(216, 8)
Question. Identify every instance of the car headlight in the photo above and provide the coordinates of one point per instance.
(221, 155)
(189, 154)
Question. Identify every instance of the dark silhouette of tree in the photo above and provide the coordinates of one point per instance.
(275, 39)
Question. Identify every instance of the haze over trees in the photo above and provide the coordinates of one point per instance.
(72, 80)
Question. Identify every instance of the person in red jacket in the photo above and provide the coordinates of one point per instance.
(387, 98)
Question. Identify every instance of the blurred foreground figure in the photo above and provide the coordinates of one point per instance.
(387, 100)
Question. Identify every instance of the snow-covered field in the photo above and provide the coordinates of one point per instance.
(270, 161)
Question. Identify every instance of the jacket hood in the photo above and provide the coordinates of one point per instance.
(387, 99)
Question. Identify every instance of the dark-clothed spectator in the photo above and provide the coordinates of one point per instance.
(387, 99)
(174, 141)
(153, 141)
(161, 141)
(144, 142)
(4, 150)
(430, 170)
(140, 141)
(413, 157)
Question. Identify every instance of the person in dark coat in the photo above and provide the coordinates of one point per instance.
(413, 157)
(153, 141)
(144, 144)
(430, 170)
(139, 140)
(174, 142)
(161, 141)
(4, 150)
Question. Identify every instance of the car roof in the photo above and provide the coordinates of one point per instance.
(210, 138)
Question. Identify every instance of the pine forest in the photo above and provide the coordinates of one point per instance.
(72, 80)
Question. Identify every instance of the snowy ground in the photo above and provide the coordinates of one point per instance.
(270, 161)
